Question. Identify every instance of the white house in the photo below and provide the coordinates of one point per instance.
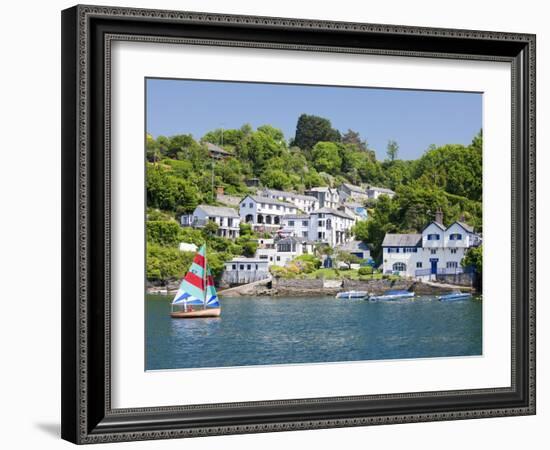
(330, 226)
(266, 250)
(296, 225)
(327, 197)
(289, 248)
(306, 203)
(245, 270)
(228, 219)
(437, 250)
(264, 212)
(351, 192)
(374, 192)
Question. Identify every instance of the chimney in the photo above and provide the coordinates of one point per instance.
(219, 190)
(439, 216)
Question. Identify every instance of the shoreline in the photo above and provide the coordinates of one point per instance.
(308, 288)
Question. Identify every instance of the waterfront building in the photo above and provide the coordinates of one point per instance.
(438, 250)
(330, 226)
(351, 192)
(374, 192)
(305, 203)
(264, 213)
(226, 218)
(242, 270)
(326, 196)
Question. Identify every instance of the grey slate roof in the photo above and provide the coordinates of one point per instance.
(334, 212)
(402, 240)
(354, 246)
(221, 211)
(381, 189)
(296, 216)
(271, 201)
(467, 227)
(290, 194)
(214, 148)
(354, 188)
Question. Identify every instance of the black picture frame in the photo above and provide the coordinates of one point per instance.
(87, 32)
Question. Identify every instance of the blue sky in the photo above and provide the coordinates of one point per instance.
(415, 119)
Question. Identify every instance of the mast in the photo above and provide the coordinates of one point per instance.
(205, 279)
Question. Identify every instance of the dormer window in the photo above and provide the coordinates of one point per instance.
(455, 237)
(433, 237)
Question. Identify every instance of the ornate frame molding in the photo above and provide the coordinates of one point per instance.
(87, 421)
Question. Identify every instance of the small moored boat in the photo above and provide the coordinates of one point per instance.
(352, 295)
(391, 295)
(196, 296)
(453, 296)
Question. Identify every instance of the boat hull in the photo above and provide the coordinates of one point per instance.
(389, 298)
(196, 314)
(352, 295)
(454, 297)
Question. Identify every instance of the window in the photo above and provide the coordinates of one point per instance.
(305, 223)
(256, 266)
(304, 234)
(399, 267)
(278, 206)
(452, 264)
(234, 267)
(433, 251)
(455, 237)
(321, 223)
(251, 205)
(433, 237)
(263, 256)
(278, 258)
(453, 251)
(393, 249)
(248, 267)
(291, 223)
(244, 205)
(409, 250)
(419, 265)
(241, 266)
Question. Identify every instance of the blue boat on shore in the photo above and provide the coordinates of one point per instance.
(454, 296)
(391, 296)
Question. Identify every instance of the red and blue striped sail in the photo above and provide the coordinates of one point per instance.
(212, 300)
(192, 288)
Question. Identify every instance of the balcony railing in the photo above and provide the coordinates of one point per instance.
(443, 271)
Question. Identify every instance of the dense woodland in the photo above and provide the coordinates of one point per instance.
(181, 175)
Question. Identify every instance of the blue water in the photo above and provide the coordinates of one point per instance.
(287, 330)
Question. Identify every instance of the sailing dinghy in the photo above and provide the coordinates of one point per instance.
(196, 296)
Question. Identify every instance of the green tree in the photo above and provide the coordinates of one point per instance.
(392, 149)
(347, 258)
(325, 157)
(311, 129)
(210, 229)
(354, 138)
(474, 258)
(361, 230)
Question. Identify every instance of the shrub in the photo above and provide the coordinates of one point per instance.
(367, 270)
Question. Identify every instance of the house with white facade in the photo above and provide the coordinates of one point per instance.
(266, 250)
(330, 226)
(289, 248)
(374, 192)
(264, 212)
(437, 250)
(305, 203)
(226, 218)
(326, 196)
(351, 192)
(296, 225)
(357, 248)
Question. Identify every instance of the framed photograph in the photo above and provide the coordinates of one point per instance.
(280, 224)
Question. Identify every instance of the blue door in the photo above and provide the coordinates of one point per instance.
(434, 266)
